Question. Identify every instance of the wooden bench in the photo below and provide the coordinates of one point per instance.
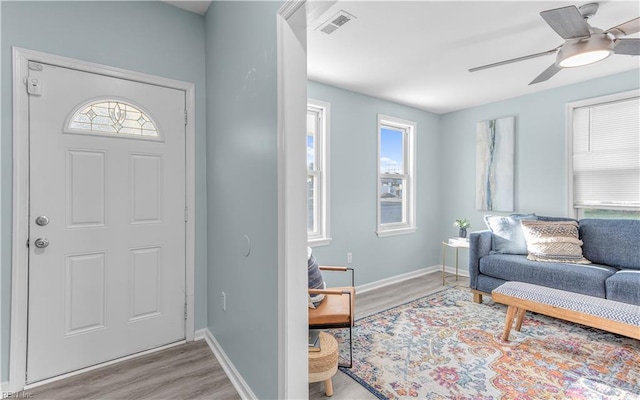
(608, 315)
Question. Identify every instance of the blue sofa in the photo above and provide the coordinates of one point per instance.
(612, 245)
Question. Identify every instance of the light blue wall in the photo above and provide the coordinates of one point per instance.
(446, 171)
(242, 187)
(353, 158)
(149, 37)
(540, 155)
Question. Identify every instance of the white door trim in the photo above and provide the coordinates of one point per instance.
(292, 20)
(20, 255)
(292, 236)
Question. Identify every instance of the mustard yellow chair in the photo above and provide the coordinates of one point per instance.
(337, 310)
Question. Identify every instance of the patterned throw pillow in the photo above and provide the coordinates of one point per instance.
(553, 241)
(315, 279)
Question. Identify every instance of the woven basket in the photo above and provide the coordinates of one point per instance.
(323, 364)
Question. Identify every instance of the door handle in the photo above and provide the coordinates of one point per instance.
(42, 220)
(41, 243)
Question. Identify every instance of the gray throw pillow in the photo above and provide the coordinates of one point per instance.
(315, 279)
(507, 236)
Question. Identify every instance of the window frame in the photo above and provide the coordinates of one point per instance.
(572, 210)
(409, 129)
(322, 235)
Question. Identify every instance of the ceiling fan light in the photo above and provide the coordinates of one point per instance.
(579, 52)
(586, 58)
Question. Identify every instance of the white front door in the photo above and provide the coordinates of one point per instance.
(107, 219)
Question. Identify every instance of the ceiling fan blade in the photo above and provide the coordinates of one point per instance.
(546, 74)
(630, 47)
(628, 28)
(499, 63)
(567, 22)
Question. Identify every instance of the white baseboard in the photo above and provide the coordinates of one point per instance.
(200, 334)
(236, 379)
(452, 270)
(367, 287)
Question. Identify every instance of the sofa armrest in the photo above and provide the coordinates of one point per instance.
(479, 246)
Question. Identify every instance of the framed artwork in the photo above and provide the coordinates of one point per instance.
(495, 140)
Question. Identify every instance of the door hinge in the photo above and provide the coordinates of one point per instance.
(186, 214)
(185, 311)
(27, 242)
(185, 117)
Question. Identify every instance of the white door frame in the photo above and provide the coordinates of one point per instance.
(20, 230)
(293, 319)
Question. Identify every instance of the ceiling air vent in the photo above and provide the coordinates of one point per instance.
(335, 22)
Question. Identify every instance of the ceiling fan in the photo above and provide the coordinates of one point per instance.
(583, 43)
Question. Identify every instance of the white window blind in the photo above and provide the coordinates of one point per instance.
(606, 155)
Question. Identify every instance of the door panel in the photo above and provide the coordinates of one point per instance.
(85, 185)
(146, 181)
(145, 276)
(84, 292)
(111, 282)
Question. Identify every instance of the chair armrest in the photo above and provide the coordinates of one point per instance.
(328, 291)
(479, 246)
(338, 268)
(332, 268)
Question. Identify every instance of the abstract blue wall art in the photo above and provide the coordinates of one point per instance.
(494, 164)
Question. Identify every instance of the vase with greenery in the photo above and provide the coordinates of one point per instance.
(462, 225)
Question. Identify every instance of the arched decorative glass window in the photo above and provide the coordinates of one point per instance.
(113, 117)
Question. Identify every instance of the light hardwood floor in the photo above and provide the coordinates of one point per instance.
(188, 371)
(191, 371)
(375, 301)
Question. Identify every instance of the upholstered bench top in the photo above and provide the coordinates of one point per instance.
(612, 310)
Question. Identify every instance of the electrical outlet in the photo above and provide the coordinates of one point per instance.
(349, 258)
(224, 301)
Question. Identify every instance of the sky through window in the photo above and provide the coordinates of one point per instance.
(391, 160)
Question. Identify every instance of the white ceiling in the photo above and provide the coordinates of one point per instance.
(418, 53)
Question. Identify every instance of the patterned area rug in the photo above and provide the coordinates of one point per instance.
(444, 346)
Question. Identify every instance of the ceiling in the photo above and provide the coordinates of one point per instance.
(418, 53)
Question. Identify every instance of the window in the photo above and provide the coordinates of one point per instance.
(318, 123)
(396, 176)
(604, 160)
(112, 117)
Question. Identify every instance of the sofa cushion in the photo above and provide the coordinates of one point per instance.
(624, 286)
(611, 241)
(553, 241)
(506, 233)
(586, 279)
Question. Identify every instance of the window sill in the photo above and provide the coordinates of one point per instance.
(397, 231)
(319, 242)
